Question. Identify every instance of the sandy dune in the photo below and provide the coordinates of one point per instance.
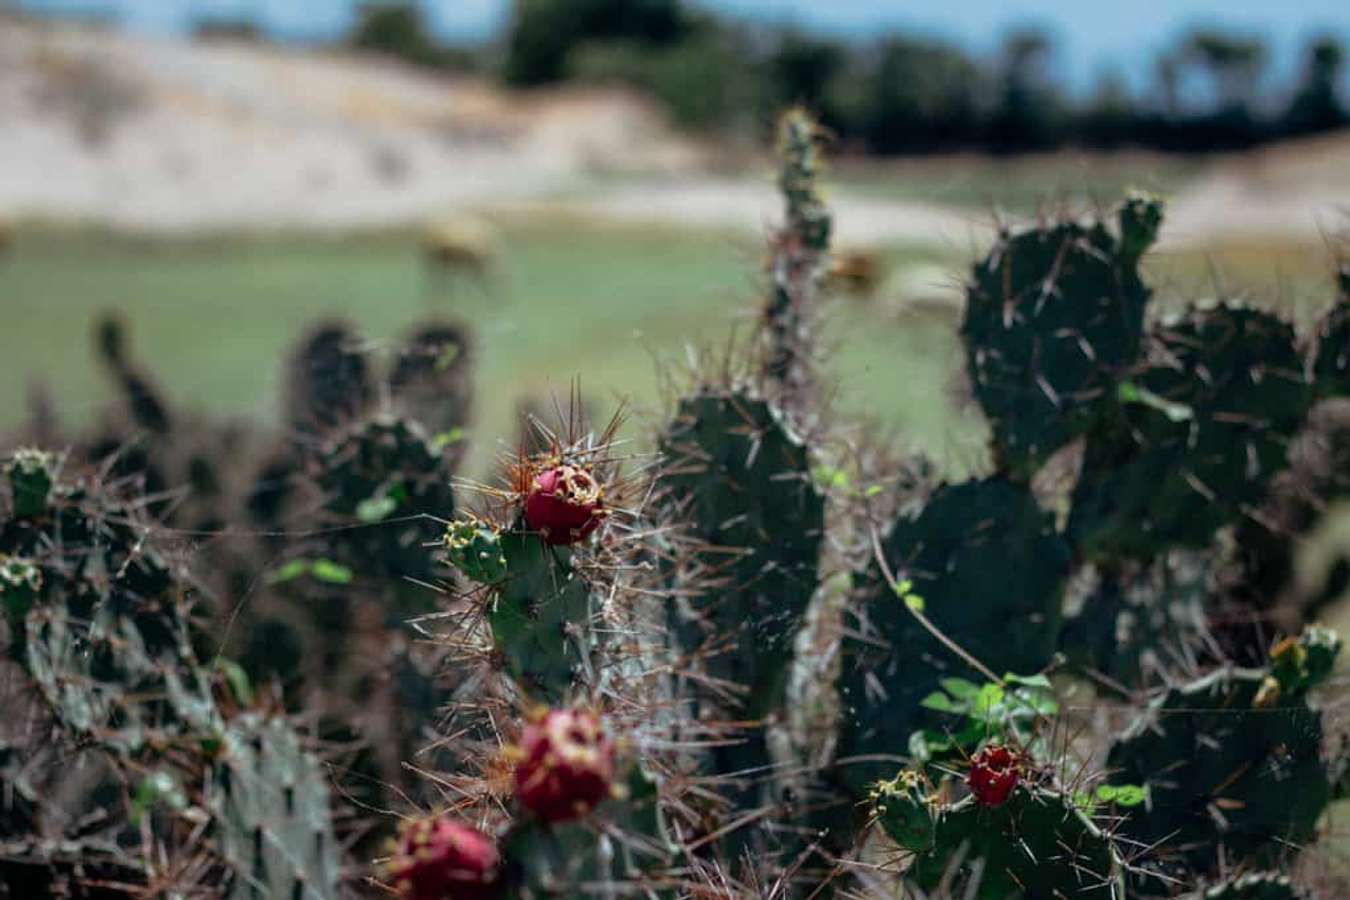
(168, 135)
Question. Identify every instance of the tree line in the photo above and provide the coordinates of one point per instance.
(1210, 90)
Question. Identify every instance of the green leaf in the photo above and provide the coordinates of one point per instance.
(157, 789)
(1121, 794)
(960, 688)
(940, 702)
(914, 602)
(289, 572)
(237, 679)
(1129, 392)
(1032, 681)
(446, 438)
(988, 702)
(376, 509)
(331, 572)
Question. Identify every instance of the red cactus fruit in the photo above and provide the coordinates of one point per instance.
(564, 504)
(994, 772)
(440, 859)
(565, 765)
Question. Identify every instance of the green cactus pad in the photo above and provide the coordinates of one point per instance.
(269, 800)
(108, 621)
(905, 809)
(1054, 317)
(388, 478)
(1225, 779)
(989, 568)
(1331, 348)
(742, 482)
(1036, 846)
(1254, 886)
(540, 618)
(1198, 435)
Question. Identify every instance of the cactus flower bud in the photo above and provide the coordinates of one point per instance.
(564, 504)
(440, 859)
(565, 766)
(475, 548)
(994, 772)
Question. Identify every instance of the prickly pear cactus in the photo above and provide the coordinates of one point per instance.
(430, 381)
(540, 617)
(1232, 764)
(269, 800)
(742, 481)
(1331, 345)
(1054, 317)
(328, 380)
(987, 569)
(97, 606)
(1131, 620)
(389, 475)
(1201, 431)
(796, 267)
(1036, 845)
(1254, 886)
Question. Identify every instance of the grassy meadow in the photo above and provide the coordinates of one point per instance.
(615, 306)
(612, 306)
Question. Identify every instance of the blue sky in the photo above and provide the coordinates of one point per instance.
(1093, 35)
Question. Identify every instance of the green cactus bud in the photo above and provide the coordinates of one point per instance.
(906, 810)
(20, 581)
(1140, 218)
(1254, 886)
(474, 546)
(30, 480)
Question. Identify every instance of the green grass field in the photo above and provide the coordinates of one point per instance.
(612, 306)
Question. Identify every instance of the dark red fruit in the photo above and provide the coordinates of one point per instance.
(994, 772)
(440, 859)
(564, 504)
(566, 765)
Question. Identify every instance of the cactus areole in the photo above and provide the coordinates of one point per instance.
(994, 772)
(564, 504)
(439, 859)
(566, 765)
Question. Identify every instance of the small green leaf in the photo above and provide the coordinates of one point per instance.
(376, 509)
(155, 790)
(988, 702)
(237, 679)
(940, 702)
(1121, 794)
(289, 572)
(960, 688)
(1129, 392)
(331, 572)
(873, 490)
(1032, 681)
(914, 602)
(446, 438)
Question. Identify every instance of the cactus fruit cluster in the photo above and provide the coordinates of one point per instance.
(756, 660)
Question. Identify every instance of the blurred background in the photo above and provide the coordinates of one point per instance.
(588, 183)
